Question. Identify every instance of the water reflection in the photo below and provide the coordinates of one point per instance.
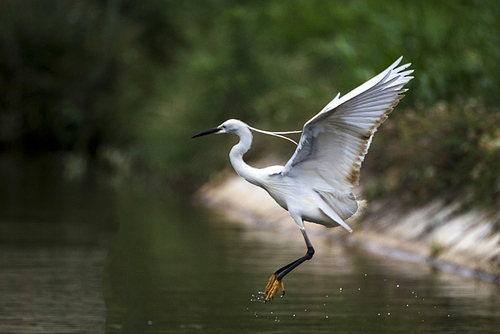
(54, 239)
(174, 268)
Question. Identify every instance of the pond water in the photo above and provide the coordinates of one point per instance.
(84, 257)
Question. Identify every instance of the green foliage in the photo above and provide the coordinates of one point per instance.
(275, 64)
(143, 76)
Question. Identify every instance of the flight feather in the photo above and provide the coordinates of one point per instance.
(335, 141)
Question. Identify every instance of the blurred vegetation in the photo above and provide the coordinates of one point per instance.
(135, 79)
(452, 150)
(75, 74)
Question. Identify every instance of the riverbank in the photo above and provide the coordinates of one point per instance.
(438, 233)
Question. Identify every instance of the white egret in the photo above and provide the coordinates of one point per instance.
(315, 184)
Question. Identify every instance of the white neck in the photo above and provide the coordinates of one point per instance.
(236, 157)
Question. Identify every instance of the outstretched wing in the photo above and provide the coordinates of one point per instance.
(335, 141)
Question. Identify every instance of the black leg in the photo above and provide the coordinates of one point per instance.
(281, 272)
(276, 279)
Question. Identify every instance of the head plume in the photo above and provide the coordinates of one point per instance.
(277, 134)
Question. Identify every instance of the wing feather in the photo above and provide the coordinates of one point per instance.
(335, 141)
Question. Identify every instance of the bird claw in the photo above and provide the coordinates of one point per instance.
(272, 287)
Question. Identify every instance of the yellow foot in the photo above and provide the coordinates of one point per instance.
(272, 287)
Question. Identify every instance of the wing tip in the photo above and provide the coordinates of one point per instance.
(396, 63)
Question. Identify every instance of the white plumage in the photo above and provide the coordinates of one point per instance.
(315, 184)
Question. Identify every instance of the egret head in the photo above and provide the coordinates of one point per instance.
(229, 126)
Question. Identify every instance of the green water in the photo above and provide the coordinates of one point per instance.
(86, 257)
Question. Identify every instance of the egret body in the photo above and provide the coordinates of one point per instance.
(316, 183)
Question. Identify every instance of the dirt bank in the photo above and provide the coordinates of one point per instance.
(440, 234)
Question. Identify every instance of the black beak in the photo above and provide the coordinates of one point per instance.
(214, 130)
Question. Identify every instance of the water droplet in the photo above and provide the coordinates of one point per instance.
(389, 313)
(378, 314)
(294, 315)
(327, 317)
(150, 322)
(397, 286)
(366, 275)
(359, 289)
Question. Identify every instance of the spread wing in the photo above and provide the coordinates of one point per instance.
(335, 141)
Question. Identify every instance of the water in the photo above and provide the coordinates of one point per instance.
(175, 268)
(54, 239)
